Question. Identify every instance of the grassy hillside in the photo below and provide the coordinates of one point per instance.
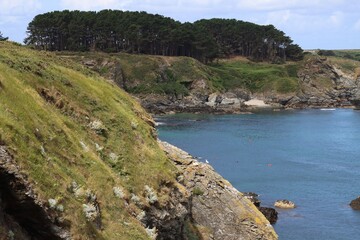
(63, 123)
(144, 74)
(256, 77)
(349, 54)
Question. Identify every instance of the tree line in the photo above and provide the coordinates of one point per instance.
(143, 33)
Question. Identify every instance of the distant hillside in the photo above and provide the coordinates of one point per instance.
(348, 54)
(143, 33)
(183, 84)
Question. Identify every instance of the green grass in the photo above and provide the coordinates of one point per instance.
(146, 74)
(256, 77)
(29, 122)
(349, 54)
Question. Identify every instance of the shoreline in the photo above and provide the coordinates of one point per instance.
(251, 110)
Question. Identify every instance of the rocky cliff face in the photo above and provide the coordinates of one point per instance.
(22, 215)
(322, 82)
(217, 209)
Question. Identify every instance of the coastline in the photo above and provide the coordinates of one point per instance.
(219, 210)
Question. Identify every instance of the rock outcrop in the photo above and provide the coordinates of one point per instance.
(323, 84)
(355, 204)
(22, 214)
(270, 213)
(285, 204)
(218, 210)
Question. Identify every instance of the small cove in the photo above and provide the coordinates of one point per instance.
(311, 157)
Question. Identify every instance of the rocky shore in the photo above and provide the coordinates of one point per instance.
(217, 209)
(321, 85)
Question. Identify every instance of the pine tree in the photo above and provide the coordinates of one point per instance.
(3, 38)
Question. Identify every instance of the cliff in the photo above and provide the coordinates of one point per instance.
(209, 192)
(79, 159)
(165, 84)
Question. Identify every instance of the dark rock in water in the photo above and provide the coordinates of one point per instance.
(253, 197)
(355, 204)
(270, 213)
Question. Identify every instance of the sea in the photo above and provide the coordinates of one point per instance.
(310, 157)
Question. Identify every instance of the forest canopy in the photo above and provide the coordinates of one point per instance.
(140, 32)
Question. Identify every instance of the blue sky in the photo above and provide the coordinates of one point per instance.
(313, 24)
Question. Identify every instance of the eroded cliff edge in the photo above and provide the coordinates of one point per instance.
(168, 84)
(217, 209)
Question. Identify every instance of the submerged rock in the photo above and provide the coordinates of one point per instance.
(355, 204)
(286, 204)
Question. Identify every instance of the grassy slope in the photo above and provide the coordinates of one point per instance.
(349, 54)
(28, 123)
(256, 77)
(150, 74)
(158, 74)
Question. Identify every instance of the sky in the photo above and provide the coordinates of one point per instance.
(313, 24)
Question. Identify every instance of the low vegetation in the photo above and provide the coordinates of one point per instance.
(65, 125)
(256, 77)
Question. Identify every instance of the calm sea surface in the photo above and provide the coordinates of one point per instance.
(311, 157)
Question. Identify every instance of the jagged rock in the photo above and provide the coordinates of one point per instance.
(92, 210)
(169, 218)
(286, 204)
(355, 204)
(150, 195)
(218, 209)
(270, 213)
(21, 211)
(211, 101)
(118, 192)
(98, 127)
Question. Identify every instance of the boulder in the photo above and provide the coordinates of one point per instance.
(270, 213)
(211, 101)
(230, 101)
(355, 204)
(286, 204)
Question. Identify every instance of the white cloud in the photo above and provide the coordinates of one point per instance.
(18, 7)
(95, 4)
(271, 5)
(138, 4)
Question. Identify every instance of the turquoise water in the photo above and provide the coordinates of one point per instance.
(311, 157)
